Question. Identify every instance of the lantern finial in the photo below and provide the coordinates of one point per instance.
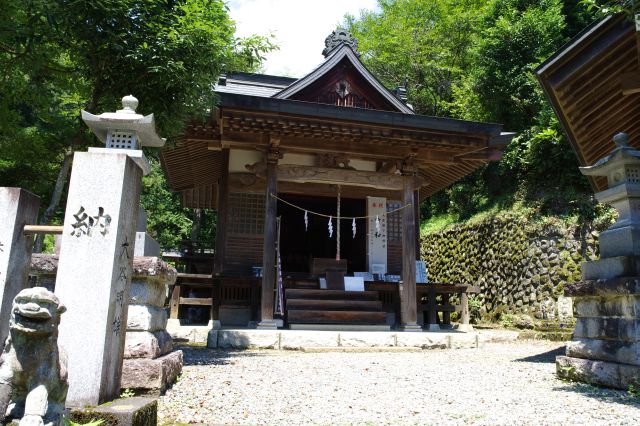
(129, 105)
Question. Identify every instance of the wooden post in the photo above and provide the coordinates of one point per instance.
(464, 314)
(408, 303)
(268, 252)
(175, 302)
(416, 213)
(221, 237)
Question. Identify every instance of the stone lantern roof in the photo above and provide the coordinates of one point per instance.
(621, 166)
(126, 121)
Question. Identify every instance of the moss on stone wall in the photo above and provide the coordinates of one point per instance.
(521, 263)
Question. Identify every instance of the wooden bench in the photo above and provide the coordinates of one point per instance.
(431, 308)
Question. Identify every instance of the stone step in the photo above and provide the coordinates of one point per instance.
(334, 305)
(303, 293)
(336, 317)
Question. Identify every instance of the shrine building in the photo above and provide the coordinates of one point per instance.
(316, 182)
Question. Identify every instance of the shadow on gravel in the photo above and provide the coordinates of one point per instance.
(201, 355)
(545, 357)
(610, 396)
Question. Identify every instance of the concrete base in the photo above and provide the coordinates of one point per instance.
(432, 327)
(267, 325)
(311, 340)
(413, 328)
(151, 375)
(188, 333)
(136, 411)
(465, 328)
(612, 267)
(601, 373)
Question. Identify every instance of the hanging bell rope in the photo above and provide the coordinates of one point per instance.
(338, 230)
(342, 217)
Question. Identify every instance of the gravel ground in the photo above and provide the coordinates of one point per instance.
(499, 384)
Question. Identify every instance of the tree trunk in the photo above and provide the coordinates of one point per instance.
(64, 172)
(55, 197)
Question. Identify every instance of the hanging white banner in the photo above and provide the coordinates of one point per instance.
(377, 233)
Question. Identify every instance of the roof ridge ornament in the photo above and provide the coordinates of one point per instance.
(338, 37)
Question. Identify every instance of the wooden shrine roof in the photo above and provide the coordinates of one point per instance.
(593, 84)
(339, 108)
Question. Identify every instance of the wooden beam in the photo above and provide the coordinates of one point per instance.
(630, 83)
(303, 174)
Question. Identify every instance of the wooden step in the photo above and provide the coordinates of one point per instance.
(336, 317)
(334, 305)
(303, 293)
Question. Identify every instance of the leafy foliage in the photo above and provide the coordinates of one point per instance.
(475, 61)
(59, 56)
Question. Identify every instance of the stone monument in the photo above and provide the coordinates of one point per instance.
(17, 209)
(605, 348)
(33, 375)
(96, 256)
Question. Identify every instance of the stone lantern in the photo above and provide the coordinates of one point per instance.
(622, 169)
(605, 345)
(125, 130)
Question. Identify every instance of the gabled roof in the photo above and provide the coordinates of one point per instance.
(251, 84)
(336, 56)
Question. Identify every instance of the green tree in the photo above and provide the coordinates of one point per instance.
(64, 55)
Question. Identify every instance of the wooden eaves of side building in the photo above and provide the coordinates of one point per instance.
(593, 83)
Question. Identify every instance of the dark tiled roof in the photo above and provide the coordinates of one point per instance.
(252, 84)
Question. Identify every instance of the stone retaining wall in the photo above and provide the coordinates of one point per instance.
(521, 265)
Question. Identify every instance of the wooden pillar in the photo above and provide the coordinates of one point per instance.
(408, 303)
(416, 213)
(268, 252)
(221, 238)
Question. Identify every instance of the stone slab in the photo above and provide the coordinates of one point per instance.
(497, 336)
(600, 373)
(423, 340)
(622, 286)
(146, 318)
(367, 339)
(147, 292)
(605, 350)
(339, 327)
(296, 340)
(611, 328)
(17, 208)
(611, 267)
(612, 306)
(623, 241)
(248, 339)
(135, 411)
(151, 375)
(145, 245)
(187, 333)
(144, 344)
(463, 340)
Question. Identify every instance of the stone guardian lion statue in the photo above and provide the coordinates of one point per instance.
(33, 374)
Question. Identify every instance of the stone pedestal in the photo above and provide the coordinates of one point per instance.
(149, 364)
(605, 349)
(94, 272)
(17, 208)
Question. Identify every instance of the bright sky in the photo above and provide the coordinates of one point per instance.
(299, 27)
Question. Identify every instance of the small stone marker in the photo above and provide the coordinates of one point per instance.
(96, 257)
(17, 208)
